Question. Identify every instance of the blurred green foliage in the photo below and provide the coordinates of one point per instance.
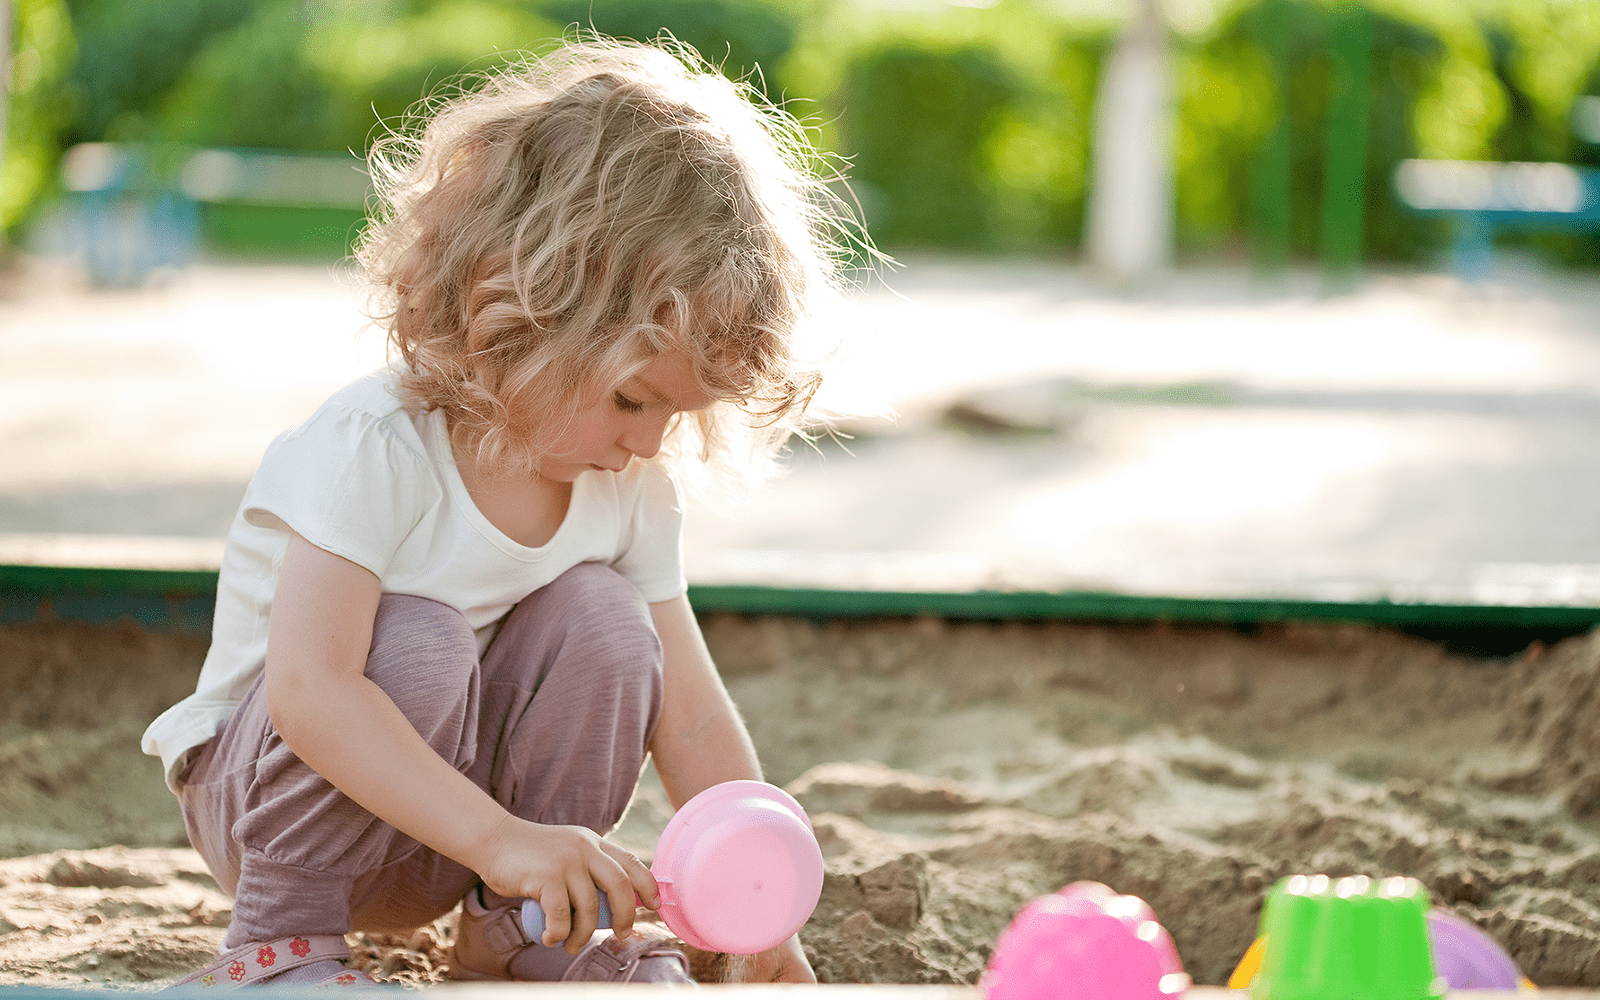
(43, 52)
(746, 39)
(1266, 73)
(917, 124)
(967, 127)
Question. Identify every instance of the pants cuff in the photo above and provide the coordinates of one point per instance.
(277, 900)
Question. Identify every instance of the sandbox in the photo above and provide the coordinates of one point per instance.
(953, 767)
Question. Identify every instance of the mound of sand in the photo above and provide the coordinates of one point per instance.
(953, 772)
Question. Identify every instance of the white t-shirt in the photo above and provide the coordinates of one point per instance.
(366, 480)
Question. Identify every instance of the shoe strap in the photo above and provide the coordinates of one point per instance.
(256, 961)
(613, 960)
(502, 930)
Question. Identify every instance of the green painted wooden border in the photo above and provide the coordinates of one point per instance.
(1003, 605)
(168, 597)
(115, 579)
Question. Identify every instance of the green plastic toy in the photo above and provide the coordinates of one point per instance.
(1354, 938)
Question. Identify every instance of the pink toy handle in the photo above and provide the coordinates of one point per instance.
(667, 891)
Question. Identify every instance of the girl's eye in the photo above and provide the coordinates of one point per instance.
(627, 405)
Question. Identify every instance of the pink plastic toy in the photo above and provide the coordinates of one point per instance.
(738, 868)
(1088, 942)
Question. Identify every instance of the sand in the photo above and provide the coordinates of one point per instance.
(953, 771)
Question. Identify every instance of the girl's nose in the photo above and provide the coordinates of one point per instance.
(643, 438)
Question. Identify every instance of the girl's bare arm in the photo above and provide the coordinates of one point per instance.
(701, 740)
(350, 731)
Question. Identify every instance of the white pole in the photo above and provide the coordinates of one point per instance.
(1130, 207)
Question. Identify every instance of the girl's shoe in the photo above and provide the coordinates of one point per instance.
(490, 939)
(258, 963)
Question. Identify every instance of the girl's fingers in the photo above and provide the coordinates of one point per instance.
(557, 917)
(585, 914)
(643, 883)
(615, 882)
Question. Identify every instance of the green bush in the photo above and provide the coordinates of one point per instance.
(915, 123)
(131, 54)
(1039, 157)
(35, 115)
(969, 128)
(1266, 75)
(282, 80)
(747, 39)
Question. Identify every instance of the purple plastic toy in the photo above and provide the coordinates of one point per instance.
(1088, 942)
(1468, 958)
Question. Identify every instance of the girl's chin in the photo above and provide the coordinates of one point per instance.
(566, 472)
(561, 472)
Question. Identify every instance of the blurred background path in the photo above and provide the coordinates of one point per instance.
(1411, 436)
(1419, 425)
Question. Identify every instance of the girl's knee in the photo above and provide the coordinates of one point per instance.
(594, 600)
(591, 617)
(425, 658)
(594, 588)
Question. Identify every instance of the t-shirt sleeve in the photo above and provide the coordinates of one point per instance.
(652, 545)
(347, 483)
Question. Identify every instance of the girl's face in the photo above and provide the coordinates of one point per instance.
(628, 423)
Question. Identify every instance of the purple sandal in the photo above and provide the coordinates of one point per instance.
(252, 963)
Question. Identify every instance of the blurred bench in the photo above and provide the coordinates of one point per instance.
(136, 209)
(1483, 198)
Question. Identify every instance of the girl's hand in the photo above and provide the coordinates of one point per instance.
(565, 868)
(787, 963)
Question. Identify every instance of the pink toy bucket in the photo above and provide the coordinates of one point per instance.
(1088, 942)
(738, 868)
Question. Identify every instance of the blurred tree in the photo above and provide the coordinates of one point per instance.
(1585, 120)
(1517, 136)
(1227, 107)
(968, 124)
(1275, 56)
(1345, 139)
(1036, 163)
(7, 22)
(1405, 58)
(744, 38)
(39, 55)
(132, 54)
(915, 121)
(286, 79)
(253, 86)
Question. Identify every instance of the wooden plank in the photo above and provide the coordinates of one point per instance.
(170, 585)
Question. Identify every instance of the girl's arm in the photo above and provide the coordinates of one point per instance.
(700, 740)
(347, 729)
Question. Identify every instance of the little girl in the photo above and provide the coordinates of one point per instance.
(451, 621)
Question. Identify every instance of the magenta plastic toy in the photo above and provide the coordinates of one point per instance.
(1087, 942)
(1468, 958)
(738, 868)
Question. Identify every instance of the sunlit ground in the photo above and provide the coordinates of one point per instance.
(1414, 435)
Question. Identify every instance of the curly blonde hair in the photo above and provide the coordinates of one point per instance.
(551, 231)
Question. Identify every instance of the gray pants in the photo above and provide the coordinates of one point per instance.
(553, 723)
